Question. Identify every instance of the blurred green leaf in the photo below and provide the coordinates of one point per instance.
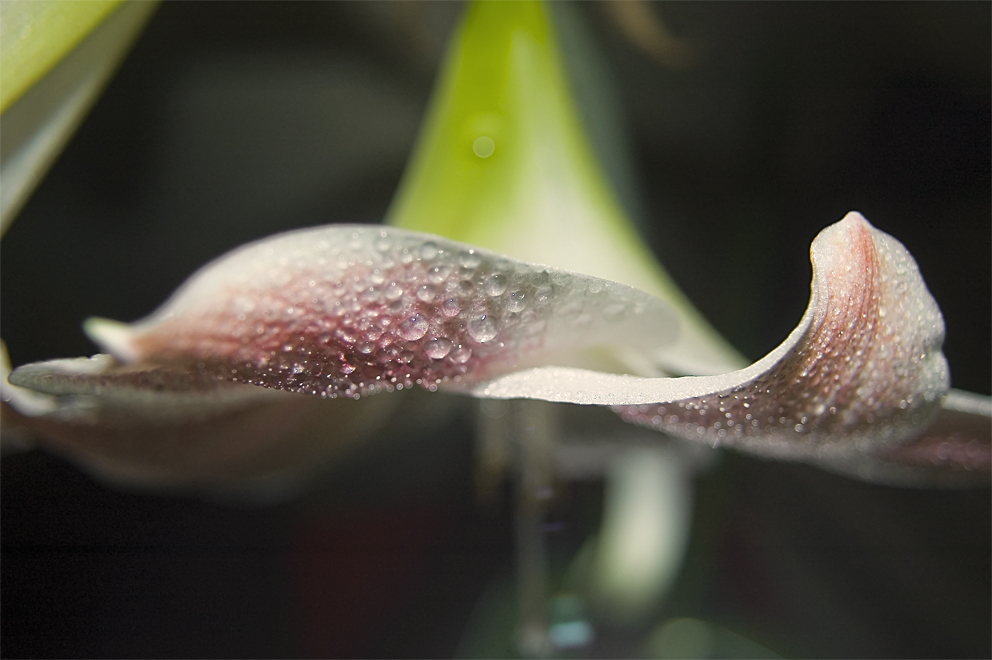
(56, 58)
(36, 34)
(504, 162)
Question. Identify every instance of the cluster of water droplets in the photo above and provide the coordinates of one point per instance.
(868, 369)
(346, 311)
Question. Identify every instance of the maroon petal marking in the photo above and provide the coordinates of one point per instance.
(349, 310)
(862, 369)
(866, 371)
(956, 450)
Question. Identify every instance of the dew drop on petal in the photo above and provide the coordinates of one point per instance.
(383, 242)
(461, 355)
(482, 329)
(517, 301)
(413, 328)
(450, 308)
(427, 293)
(438, 349)
(439, 273)
(428, 250)
(495, 285)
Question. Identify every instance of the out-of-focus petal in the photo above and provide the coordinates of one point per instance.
(955, 450)
(159, 427)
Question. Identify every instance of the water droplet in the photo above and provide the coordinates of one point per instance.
(517, 301)
(366, 347)
(413, 328)
(427, 293)
(496, 284)
(483, 147)
(438, 349)
(482, 329)
(376, 277)
(439, 274)
(428, 250)
(544, 294)
(298, 368)
(394, 291)
(347, 368)
(450, 308)
(383, 242)
(462, 355)
(470, 259)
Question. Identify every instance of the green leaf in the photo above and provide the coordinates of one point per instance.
(503, 162)
(36, 34)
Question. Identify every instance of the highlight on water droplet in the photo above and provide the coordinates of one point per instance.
(483, 146)
(438, 349)
(428, 250)
(427, 293)
(461, 355)
(413, 328)
(495, 285)
(482, 329)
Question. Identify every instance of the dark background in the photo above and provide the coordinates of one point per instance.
(230, 122)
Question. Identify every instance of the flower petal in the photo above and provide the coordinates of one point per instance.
(156, 426)
(351, 310)
(862, 370)
(956, 450)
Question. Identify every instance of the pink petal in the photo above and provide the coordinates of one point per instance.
(162, 427)
(862, 370)
(956, 450)
(351, 310)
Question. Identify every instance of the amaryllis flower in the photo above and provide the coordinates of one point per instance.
(508, 270)
(350, 311)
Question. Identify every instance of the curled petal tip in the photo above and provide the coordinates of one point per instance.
(863, 369)
(113, 337)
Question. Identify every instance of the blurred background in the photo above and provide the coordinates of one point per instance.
(233, 121)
